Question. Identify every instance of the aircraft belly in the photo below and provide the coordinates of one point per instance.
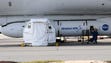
(41, 7)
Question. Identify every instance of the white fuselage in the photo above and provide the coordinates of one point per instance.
(46, 7)
(14, 13)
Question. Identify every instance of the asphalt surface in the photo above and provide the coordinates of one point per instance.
(10, 50)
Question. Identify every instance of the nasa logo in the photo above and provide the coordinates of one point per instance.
(105, 27)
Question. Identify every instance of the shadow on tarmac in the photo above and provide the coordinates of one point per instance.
(68, 44)
(10, 46)
(85, 44)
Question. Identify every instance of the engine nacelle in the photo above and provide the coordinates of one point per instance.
(13, 30)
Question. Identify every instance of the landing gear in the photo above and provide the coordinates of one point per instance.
(60, 41)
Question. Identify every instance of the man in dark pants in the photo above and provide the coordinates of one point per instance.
(95, 36)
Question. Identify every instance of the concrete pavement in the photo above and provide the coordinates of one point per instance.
(9, 52)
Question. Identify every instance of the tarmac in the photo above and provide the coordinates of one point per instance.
(10, 50)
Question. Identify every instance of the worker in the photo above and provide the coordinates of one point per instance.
(95, 35)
